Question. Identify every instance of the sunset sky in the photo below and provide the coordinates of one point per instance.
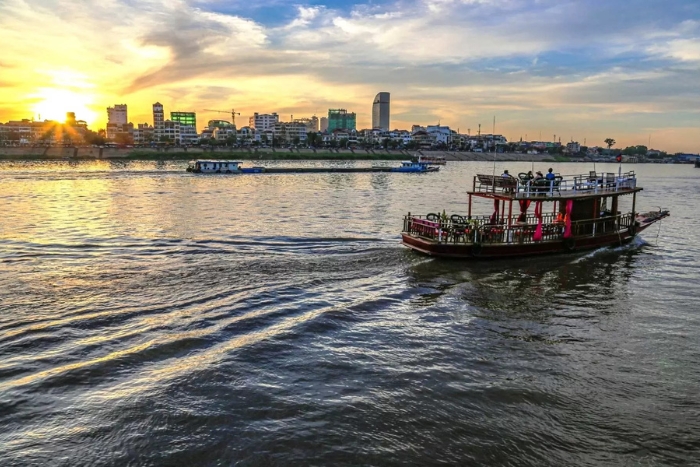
(626, 69)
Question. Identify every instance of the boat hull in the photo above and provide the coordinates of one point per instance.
(509, 250)
(476, 251)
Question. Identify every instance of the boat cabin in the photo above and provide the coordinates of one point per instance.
(213, 166)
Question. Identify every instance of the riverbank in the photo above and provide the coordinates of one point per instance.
(90, 153)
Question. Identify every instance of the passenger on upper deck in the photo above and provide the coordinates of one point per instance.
(505, 174)
(538, 176)
(550, 175)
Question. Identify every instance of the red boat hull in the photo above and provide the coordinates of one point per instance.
(508, 250)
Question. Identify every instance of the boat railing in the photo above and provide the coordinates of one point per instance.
(484, 230)
(523, 187)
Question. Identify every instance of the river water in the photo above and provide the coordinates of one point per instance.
(154, 317)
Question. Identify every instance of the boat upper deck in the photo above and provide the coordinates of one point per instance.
(593, 184)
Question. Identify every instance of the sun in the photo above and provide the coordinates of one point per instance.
(53, 103)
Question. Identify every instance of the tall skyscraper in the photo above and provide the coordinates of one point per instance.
(117, 114)
(341, 119)
(380, 111)
(158, 119)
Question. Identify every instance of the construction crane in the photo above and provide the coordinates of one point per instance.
(232, 112)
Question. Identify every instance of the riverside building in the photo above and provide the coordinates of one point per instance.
(341, 119)
(117, 121)
(188, 126)
(261, 122)
(158, 120)
(381, 111)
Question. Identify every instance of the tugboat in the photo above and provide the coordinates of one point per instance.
(411, 166)
(572, 213)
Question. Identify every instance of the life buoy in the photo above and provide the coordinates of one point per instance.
(476, 249)
(569, 244)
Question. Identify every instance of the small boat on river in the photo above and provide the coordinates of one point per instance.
(572, 213)
(415, 167)
(234, 167)
(432, 160)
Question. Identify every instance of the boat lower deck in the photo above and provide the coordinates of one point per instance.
(507, 250)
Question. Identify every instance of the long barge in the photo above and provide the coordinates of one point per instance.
(234, 167)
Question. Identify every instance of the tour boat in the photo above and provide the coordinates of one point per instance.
(572, 213)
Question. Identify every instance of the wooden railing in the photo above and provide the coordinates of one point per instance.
(480, 230)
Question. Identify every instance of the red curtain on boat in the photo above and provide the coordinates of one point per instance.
(567, 220)
(494, 216)
(524, 204)
(537, 236)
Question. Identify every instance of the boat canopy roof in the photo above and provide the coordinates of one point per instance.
(207, 161)
(590, 185)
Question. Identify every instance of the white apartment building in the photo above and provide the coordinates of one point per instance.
(573, 147)
(170, 131)
(289, 131)
(117, 114)
(439, 134)
(188, 135)
(263, 121)
(143, 133)
(117, 121)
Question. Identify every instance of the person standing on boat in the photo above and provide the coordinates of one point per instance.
(550, 175)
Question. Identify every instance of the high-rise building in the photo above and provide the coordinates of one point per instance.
(341, 119)
(117, 114)
(184, 118)
(323, 124)
(380, 111)
(261, 122)
(158, 120)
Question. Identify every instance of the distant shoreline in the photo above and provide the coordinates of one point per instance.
(18, 154)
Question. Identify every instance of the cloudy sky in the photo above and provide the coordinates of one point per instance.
(584, 69)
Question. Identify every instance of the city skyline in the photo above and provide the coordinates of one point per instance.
(626, 70)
